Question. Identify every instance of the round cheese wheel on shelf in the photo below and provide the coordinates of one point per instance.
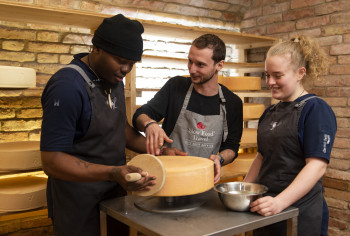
(22, 193)
(252, 111)
(22, 155)
(239, 83)
(240, 164)
(17, 77)
(249, 137)
(186, 175)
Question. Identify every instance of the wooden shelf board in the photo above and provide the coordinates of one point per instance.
(29, 13)
(228, 65)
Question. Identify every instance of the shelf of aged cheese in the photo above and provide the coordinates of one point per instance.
(29, 13)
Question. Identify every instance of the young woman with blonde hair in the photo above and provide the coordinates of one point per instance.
(295, 138)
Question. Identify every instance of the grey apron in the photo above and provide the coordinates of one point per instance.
(199, 135)
(283, 159)
(76, 204)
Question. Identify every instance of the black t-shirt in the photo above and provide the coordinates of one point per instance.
(167, 104)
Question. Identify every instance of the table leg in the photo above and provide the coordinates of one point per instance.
(292, 226)
(103, 223)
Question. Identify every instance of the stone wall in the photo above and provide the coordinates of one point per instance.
(328, 21)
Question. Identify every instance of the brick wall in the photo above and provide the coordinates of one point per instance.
(47, 48)
(328, 21)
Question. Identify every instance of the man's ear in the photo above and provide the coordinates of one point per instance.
(220, 65)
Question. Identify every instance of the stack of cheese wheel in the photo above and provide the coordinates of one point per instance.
(252, 111)
(23, 191)
(186, 175)
(239, 83)
(17, 77)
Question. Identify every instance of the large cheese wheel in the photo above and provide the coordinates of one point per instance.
(24, 155)
(249, 136)
(186, 175)
(252, 111)
(17, 77)
(22, 193)
(239, 83)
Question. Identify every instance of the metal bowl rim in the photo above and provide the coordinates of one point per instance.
(265, 189)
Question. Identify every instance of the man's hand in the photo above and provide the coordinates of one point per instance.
(155, 138)
(217, 167)
(173, 152)
(145, 183)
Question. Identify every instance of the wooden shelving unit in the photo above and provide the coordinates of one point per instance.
(29, 13)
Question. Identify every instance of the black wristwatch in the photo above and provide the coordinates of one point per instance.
(221, 159)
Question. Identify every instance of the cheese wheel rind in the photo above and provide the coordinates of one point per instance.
(240, 83)
(17, 77)
(22, 193)
(186, 175)
(23, 155)
(252, 110)
(249, 136)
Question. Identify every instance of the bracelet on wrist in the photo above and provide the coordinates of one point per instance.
(221, 159)
(152, 122)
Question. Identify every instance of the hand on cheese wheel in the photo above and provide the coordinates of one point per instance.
(144, 183)
(173, 152)
(217, 167)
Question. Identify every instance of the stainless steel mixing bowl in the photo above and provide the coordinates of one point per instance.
(238, 195)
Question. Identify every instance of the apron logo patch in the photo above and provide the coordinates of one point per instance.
(326, 141)
(200, 125)
(274, 124)
(56, 103)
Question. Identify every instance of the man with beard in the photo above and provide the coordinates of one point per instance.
(201, 117)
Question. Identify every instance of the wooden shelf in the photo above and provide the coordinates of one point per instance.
(29, 13)
(228, 65)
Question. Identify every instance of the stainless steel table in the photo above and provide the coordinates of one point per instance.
(211, 218)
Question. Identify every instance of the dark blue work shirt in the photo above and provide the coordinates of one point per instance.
(67, 108)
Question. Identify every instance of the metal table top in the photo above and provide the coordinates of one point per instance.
(211, 218)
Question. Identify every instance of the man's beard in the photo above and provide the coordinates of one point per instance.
(208, 78)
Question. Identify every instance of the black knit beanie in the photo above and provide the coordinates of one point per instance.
(120, 36)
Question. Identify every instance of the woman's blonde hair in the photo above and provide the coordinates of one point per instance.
(304, 52)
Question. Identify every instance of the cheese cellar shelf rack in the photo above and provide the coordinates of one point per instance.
(29, 13)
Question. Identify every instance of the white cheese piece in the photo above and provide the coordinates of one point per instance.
(17, 77)
(186, 175)
(252, 111)
(239, 83)
(24, 155)
(22, 193)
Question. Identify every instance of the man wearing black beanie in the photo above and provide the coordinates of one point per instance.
(85, 131)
